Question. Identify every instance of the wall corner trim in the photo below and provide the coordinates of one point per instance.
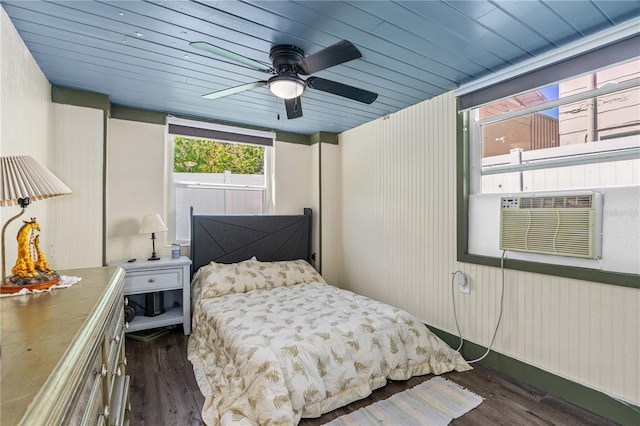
(136, 114)
(290, 137)
(66, 95)
(324, 137)
(312, 139)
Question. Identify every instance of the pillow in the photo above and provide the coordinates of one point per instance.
(287, 273)
(218, 279)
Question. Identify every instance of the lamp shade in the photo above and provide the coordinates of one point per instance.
(152, 223)
(22, 176)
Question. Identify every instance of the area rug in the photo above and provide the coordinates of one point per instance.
(435, 402)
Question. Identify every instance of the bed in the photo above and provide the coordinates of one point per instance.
(272, 342)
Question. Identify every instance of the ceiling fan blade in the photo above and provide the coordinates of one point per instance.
(294, 107)
(343, 90)
(203, 45)
(341, 52)
(233, 90)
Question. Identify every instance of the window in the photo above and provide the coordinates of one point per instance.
(580, 133)
(215, 175)
(558, 126)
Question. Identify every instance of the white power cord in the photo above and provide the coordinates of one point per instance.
(455, 317)
(455, 314)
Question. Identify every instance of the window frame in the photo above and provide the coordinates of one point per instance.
(593, 52)
(463, 191)
(623, 150)
(202, 130)
(622, 147)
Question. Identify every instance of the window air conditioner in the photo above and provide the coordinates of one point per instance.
(562, 225)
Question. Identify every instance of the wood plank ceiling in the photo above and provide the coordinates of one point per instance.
(138, 52)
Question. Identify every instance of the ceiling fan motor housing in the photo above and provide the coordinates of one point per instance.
(284, 56)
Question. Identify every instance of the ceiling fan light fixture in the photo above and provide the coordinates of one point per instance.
(286, 86)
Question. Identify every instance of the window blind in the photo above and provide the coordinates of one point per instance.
(220, 133)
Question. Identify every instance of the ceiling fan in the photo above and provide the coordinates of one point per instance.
(288, 63)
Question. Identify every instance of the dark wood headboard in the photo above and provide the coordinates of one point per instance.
(231, 239)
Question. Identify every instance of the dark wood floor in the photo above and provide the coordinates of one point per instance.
(164, 392)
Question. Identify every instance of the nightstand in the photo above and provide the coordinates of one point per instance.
(170, 278)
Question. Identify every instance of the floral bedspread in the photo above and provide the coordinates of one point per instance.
(284, 350)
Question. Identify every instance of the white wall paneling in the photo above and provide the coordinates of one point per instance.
(295, 181)
(78, 160)
(331, 200)
(398, 229)
(136, 186)
(292, 178)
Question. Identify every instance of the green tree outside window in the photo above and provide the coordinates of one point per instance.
(192, 155)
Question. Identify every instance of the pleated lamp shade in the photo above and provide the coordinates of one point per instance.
(22, 176)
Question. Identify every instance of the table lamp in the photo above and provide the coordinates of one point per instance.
(151, 224)
(23, 180)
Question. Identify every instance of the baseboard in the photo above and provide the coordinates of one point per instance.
(580, 395)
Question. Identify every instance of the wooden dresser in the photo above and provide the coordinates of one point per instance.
(63, 359)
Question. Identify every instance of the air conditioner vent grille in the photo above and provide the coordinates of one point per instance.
(557, 225)
(562, 202)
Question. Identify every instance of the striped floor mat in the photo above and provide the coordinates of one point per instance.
(434, 402)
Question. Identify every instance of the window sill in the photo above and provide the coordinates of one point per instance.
(585, 274)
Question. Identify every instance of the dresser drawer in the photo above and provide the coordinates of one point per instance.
(115, 358)
(95, 412)
(114, 338)
(144, 282)
(91, 397)
(119, 407)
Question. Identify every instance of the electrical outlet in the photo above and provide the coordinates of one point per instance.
(463, 283)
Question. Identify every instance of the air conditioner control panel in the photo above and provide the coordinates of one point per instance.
(510, 203)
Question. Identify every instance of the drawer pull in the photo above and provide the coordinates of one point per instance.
(116, 339)
(126, 325)
(118, 372)
(104, 370)
(151, 280)
(105, 412)
(124, 361)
